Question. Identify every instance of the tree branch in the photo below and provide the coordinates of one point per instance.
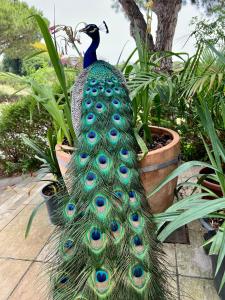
(137, 22)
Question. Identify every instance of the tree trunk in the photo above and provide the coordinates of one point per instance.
(137, 22)
(167, 14)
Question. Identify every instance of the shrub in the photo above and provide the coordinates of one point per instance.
(13, 65)
(35, 63)
(21, 117)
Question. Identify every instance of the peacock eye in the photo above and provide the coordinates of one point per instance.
(92, 30)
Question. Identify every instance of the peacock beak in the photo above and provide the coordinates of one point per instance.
(83, 30)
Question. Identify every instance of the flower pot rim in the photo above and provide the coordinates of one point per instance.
(209, 183)
(44, 187)
(175, 140)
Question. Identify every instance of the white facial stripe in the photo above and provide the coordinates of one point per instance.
(93, 30)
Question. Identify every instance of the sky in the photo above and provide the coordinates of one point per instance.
(71, 12)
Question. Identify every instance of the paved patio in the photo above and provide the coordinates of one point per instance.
(22, 261)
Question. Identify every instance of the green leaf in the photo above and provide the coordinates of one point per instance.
(33, 214)
(141, 143)
(179, 171)
(34, 54)
(221, 252)
(53, 54)
(194, 213)
(216, 243)
(35, 147)
(222, 282)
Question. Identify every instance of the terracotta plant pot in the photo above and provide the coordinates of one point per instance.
(212, 186)
(156, 165)
(63, 154)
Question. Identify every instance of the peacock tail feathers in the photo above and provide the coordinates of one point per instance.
(106, 244)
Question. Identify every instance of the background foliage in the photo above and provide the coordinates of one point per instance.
(21, 117)
(18, 33)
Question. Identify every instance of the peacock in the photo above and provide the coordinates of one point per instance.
(106, 246)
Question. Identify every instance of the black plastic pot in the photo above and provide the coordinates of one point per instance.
(217, 279)
(219, 276)
(52, 206)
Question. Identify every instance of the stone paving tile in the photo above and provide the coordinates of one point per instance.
(172, 283)
(196, 226)
(34, 285)
(12, 237)
(192, 261)
(197, 289)
(11, 271)
(7, 216)
(48, 251)
(170, 257)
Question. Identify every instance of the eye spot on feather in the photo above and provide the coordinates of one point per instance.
(70, 210)
(116, 103)
(93, 82)
(94, 92)
(116, 119)
(100, 201)
(90, 118)
(117, 90)
(90, 178)
(138, 271)
(109, 82)
(135, 217)
(138, 276)
(63, 280)
(114, 226)
(83, 157)
(88, 103)
(137, 241)
(119, 194)
(124, 153)
(102, 162)
(99, 107)
(92, 137)
(114, 80)
(124, 170)
(113, 132)
(101, 276)
(68, 247)
(69, 244)
(88, 90)
(108, 92)
(102, 281)
(132, 196)
(96, 234)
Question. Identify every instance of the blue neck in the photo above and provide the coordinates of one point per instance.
(90, 55)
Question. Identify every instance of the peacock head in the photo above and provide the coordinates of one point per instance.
(92, 30)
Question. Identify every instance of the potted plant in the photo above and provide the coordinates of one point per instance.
(156, 164)
(200, 204)
(214, 239)
(54, 183)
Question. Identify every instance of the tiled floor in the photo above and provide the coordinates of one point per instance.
(22, 262)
